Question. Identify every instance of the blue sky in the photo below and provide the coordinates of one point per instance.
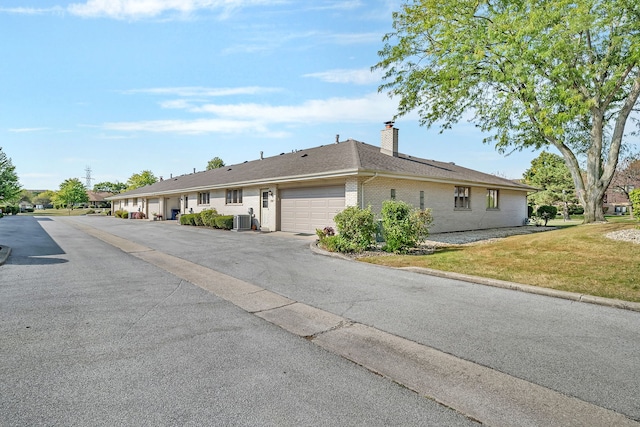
(122, 86)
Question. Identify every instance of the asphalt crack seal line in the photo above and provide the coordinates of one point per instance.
(481, 393)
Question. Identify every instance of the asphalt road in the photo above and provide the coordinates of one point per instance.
(96, 335)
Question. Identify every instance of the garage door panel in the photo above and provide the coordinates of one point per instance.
(303, 210)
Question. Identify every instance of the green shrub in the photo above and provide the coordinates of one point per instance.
(576, 210)
(338, 243)
(121, 214)
(188, 219)
(634, 197)
(356, 229)
(10, 210)
(547, 213)
(197, 219)
(403, 227)
(224, 222)
(208, 217)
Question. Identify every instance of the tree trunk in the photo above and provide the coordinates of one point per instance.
(592, 202)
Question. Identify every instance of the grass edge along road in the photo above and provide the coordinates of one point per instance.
(573, 258)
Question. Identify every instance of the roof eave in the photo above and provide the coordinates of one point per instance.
(248, 183)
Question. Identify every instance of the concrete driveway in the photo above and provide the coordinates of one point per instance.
(585, 354)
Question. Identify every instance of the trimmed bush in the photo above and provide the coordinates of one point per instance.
(356, 230)
(403, 227)
(208, 217)
(191, 219)
(576, 210)
(121, 214)
(197, 219)
(224, 222)
(546, 213)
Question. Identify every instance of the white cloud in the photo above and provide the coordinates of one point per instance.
(141, 9)
(261, 119)
(196, 91)
(361, 76)
(353, 38)
(25, 130)
(31, 10)
(374, 107)
(189, 126)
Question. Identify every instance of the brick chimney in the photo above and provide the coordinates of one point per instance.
(389, 140)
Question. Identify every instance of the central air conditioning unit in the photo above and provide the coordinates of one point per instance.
(241, 222)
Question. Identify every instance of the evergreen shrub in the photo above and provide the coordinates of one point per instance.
(224, 222)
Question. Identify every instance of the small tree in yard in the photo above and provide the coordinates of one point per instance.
(72, 191)
(547, 212)
(403, 227)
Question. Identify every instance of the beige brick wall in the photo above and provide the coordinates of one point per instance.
(351, 192)
(439, 198)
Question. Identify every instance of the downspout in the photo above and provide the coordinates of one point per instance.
(362, 187)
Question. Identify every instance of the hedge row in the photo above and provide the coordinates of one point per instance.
(208, 218)
(10, 210)
(125, 214)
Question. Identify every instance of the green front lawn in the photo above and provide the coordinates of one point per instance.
(574, 258)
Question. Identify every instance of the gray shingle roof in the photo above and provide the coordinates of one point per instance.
(341, 159)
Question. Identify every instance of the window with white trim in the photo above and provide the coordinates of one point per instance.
(234, 197)
(462, 197)
(492, 198)
(203, 198)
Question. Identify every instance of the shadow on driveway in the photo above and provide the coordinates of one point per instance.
(28, 241)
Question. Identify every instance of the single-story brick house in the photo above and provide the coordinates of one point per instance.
(303, 190)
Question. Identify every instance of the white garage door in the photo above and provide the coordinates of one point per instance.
(303, 210)
(153, 206)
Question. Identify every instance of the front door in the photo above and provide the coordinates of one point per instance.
(264, 209)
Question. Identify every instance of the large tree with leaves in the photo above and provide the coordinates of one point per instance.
(9, 184)
(530, 73)
(72, 192)
(109, 187)
(141, 179)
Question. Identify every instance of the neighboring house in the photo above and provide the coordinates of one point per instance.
(303, 190)
(98, 199)
(616, 201)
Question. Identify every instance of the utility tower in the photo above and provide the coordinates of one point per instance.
(87, 178)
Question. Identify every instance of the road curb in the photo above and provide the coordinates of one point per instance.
(5, 251)
(554, 293)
